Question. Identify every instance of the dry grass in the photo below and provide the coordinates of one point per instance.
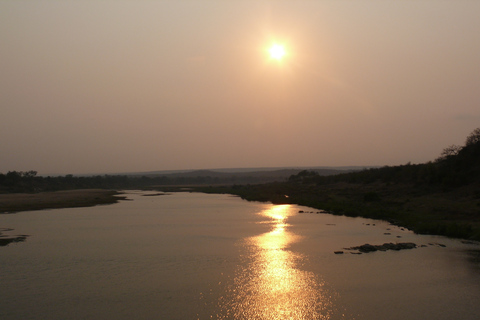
(15, 202)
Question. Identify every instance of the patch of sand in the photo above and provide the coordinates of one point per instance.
(14, 202)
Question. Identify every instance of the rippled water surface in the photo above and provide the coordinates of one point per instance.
(198, 256)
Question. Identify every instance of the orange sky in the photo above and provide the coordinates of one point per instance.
(119, 86)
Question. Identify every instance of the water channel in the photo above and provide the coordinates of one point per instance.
(200, 256)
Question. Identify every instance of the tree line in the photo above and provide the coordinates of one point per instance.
(29, 181)
(456, 166)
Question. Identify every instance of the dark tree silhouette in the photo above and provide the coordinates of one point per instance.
(449, 152)
(473, 138)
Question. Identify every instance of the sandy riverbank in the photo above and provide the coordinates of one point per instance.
(14, 202)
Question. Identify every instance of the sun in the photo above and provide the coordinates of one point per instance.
(277, 51)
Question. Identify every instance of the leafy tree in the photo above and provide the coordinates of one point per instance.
(473, 138)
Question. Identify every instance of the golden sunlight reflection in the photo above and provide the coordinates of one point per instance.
(270, 284)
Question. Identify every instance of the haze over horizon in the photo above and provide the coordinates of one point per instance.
(135, 86)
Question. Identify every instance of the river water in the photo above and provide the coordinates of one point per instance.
(200, 256)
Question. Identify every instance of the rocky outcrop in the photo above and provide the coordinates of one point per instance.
(366, 248)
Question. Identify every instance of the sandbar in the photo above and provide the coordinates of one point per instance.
(15, 202)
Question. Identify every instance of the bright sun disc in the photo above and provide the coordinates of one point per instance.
(277, 52)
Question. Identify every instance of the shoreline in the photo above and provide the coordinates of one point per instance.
(17, 202)
(453, 213)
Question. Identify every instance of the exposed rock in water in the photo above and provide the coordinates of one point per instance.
(4, 241)
(437, 244)
(365, 248)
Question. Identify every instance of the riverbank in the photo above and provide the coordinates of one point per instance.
(425, 210)
(15, 202)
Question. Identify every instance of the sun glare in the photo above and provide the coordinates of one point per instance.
(277, 51)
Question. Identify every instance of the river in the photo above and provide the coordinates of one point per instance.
(201, 256)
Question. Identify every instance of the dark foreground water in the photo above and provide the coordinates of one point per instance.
(198, 256)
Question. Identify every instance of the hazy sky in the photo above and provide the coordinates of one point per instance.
(116, 86)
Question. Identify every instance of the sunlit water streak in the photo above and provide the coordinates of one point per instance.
(271, 284)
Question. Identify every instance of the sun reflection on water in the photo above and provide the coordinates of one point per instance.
(271, 285)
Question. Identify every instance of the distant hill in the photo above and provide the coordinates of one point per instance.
(255, 171)
(282, 173)
(225, 177)
(233, 176)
